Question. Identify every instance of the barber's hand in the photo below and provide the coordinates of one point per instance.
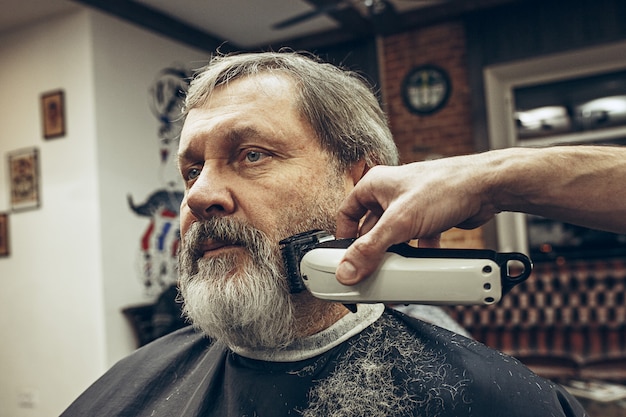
(390, 205)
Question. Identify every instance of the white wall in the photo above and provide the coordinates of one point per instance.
(51, 300)
(72, 265)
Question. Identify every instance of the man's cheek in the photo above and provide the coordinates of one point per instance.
(185, 223)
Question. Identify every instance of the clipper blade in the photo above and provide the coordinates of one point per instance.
(293, 249)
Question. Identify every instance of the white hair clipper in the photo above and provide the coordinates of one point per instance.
(406, 275)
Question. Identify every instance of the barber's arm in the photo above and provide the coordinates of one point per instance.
(582, 185)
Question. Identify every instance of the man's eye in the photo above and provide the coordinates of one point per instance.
(193, 173)
(255, 156)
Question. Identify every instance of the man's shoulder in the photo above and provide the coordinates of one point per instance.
(466, 374)
(395, 322)
(184, 339)
(147, 374)
(455, 350)
(177, 350)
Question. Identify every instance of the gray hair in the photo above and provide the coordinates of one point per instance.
(338, 104)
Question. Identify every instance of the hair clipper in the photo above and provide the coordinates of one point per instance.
(406, 275)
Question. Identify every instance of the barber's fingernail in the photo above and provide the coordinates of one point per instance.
(346, 272)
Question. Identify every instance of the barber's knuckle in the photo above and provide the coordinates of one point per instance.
(404, 222)
(366, 248)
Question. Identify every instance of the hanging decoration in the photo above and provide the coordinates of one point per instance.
(159, 243)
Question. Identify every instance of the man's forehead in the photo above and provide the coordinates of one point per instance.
(261, 106)
(264, 84)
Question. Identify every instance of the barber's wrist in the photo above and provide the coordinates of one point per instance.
(508, 181)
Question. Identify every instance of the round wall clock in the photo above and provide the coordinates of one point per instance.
(426, 89)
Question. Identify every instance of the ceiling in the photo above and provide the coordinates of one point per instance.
(248, 24)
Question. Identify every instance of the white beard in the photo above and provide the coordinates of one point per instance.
(239, 298)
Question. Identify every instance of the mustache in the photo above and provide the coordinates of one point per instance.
(223, 229)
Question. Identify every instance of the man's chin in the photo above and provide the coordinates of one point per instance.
(240, 309)
(258, 336)
(234, 259)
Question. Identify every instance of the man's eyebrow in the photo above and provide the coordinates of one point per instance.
(239, 134)
(183, 154)
(232, 138)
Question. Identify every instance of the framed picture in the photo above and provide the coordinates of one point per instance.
(24, 179)
(4, 234)
(53, 114)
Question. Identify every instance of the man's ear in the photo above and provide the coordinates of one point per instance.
(358, 170)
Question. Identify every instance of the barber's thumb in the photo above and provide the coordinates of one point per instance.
(346, 273)
(354, 268)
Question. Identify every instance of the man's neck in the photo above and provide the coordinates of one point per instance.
(326, 338)
(314, 315)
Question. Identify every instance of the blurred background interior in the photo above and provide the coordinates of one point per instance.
(89, 195)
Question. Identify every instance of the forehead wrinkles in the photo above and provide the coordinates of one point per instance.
(268, 93)
(275, 89)
(271, 85)
(199, 130)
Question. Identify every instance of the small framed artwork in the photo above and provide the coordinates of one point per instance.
(4, 234)
(53, 114)
(24, 179)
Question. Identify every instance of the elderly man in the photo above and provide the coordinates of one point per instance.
(271, 145)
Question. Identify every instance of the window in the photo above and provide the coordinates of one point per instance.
(570, 98)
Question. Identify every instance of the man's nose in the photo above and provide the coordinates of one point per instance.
(210, 195)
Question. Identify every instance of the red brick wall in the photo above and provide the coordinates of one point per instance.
(447, 132)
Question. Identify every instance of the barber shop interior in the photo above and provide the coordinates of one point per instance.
(96, 129)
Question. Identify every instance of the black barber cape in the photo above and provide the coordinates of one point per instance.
(375, 362)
